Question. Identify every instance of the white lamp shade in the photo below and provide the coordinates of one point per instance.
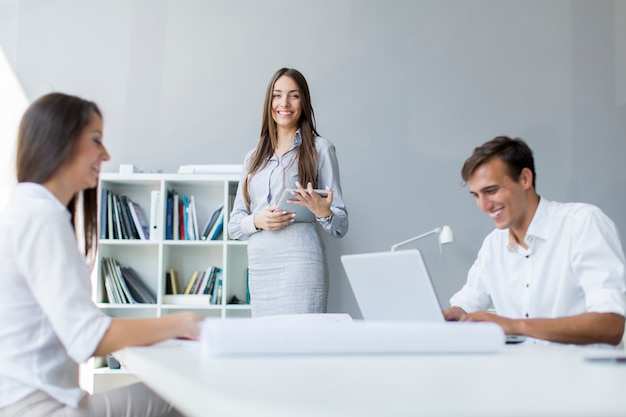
(446, 236)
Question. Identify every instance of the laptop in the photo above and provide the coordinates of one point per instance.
(393, 286)
(396, 286)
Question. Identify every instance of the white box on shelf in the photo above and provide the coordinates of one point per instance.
(128, 169)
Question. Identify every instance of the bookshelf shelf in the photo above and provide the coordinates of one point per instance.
(153, 258)
(107, 371)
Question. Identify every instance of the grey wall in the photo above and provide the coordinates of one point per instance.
(405, 90)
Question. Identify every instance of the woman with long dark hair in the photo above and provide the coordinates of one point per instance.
(286, 259)
(48, 322)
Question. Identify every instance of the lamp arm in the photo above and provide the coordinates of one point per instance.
(413, 239)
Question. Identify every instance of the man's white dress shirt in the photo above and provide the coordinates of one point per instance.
(574, 264)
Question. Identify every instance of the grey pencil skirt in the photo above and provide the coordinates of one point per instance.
(287, 271)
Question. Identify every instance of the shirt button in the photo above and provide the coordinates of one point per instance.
(526, 314)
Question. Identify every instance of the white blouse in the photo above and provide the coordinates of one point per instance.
(268, 184)
(48, 322)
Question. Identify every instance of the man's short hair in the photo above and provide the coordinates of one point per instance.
(515, 153)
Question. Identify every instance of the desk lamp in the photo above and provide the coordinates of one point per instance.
(445, 236)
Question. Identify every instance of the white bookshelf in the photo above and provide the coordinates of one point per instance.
(152, 258)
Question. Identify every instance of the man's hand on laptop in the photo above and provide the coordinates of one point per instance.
(509, 326)
(454, 314)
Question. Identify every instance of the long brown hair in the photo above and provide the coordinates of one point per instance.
(46, 140)
(268, 141)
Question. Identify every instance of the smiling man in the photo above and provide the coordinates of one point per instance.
(552, 271)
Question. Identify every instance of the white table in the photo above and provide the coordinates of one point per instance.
(522, 380)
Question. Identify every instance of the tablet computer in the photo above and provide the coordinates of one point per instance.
(303, 214)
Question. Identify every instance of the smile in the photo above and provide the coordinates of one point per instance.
(496, 213)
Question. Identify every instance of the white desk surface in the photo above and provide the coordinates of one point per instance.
(522, 380)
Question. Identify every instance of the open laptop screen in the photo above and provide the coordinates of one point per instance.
(393, 286)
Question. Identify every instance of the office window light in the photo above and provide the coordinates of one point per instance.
(13, 103)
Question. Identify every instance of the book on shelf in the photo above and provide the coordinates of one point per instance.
(139, 219)
(109, 209)
(206, 275)
(121, 212)
(118, 294)
(190, 283)
(206, 230)
(155, 215)
(198, 282)
(117, 218)
(168, 215)
(168, 283)
(181, 222)
(103, 213)
(193, 219)
(210, 284)
(121, 218)
(218, 225)
(171, 283)
(123, 285)
(112, 293)
(183, 215)
(138, 288)
(176, 216)
(194, 216)
(216, 297)
(131, 230)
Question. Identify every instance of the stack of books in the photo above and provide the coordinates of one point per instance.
(181, 221)
(123, 285)
(121, 218)
(207, 283)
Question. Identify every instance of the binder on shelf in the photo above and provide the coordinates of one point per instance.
(155, 215)
(193, 218)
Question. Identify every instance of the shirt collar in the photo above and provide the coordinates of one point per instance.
(38, 191)
(297, 139)
(539, 224)
(537, 229)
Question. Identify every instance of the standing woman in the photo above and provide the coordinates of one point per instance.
(48, 322)
(287, 261)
